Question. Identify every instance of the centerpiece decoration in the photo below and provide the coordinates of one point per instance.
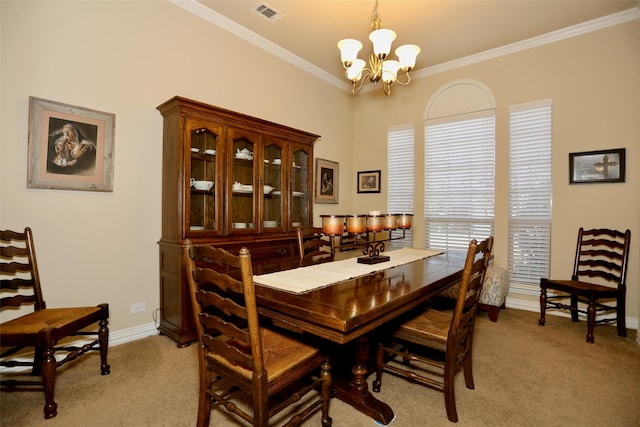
(365, 230)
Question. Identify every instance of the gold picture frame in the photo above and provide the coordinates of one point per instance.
(326, 187)
(70, 147)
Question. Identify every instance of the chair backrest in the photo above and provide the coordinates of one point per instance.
(19, 279)
(224, 305)
(602, 253)
(314, 247)
(475, 267)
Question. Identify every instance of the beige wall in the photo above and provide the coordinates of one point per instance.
(128, 57)
(594, 83)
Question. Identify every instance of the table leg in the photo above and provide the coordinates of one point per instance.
(356, 392)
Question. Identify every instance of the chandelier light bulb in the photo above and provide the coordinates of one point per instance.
(354, 73)
(390, 71)
(407, 56)
(349, 49)
(382, 40)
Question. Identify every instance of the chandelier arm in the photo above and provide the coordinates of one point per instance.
(405, 82)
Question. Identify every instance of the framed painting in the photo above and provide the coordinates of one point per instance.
(597, 166)
(326, 187)
(369, 181)
(70, 147)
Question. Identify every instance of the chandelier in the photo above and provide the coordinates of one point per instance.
(380, 68)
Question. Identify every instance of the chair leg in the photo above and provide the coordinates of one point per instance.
(103, 337)
(467, 368)
(620, 316)
(591, 319)
(377, 382)
(449, 393)
(204, 401)
(574, 308)
(543, 305)
(493, 312)
(326, 393)
(48, 371)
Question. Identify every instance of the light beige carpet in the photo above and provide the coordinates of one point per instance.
(525, 375)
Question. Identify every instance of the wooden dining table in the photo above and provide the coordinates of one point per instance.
(347, 312)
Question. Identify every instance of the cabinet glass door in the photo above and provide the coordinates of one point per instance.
(244, 191)
(201, 182)
(273, 173)
(301, 186)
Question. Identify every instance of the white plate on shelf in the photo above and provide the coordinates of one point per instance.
(239, 225)
(296, 224)
(194, 150)
(277, 161)
(276, 192)
(270, 223)
(197, 227)
(243, 191)
(210, 152)
(298, 194)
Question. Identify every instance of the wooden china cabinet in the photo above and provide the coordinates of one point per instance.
(262, 190)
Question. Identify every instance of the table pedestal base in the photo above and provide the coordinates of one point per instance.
(356, 392)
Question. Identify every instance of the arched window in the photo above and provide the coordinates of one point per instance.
(459, 165)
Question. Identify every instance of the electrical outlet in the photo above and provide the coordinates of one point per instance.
(138, 307)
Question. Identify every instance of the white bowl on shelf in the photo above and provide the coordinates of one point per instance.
(210, 152)
(296, 224)
(239, 225)
(202, 185)
(197, 227)
(277, 161)
(270, 223)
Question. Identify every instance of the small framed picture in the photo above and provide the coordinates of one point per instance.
(369, 181)
(597, 166)
(70, 148)
(326, 181)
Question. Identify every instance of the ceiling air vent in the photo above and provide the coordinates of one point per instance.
(268, 12)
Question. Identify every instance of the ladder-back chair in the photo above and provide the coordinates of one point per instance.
(437, 339)
(273, 369)
(314, 247)
(44, 328)
(601, 254)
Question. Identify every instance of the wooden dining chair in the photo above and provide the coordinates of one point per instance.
(314, 247)
(43, 329)
(437, 339)
(601, 254)
(274, 369)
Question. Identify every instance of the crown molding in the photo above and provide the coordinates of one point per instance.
(552, 37)
(193, 6)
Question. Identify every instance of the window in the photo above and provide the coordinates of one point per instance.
(529, 192)
(459, 180)
(400, 176)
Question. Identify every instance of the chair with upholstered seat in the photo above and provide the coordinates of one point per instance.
(314, 247)
(273, 369)
(43, 329)
(436, 339)
(601, 255)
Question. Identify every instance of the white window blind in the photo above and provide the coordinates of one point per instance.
(400, 177)
(459, 181)
(529, 192)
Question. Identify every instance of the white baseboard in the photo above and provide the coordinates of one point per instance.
(132, 334)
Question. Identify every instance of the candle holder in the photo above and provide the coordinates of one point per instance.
(362, 230)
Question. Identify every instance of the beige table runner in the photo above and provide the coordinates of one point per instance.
(305, 279)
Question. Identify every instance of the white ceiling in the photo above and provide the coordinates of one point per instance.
(446, 30)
